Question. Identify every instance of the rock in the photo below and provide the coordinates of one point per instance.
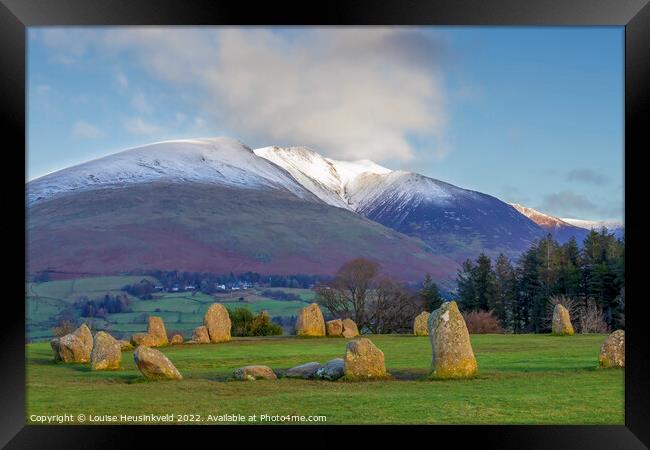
(251, 373)
(54, 343)
(217, 321)
(137, 338)
(310, 321)
(612, 352)
(363, 360)
(86, 337)
(74, 347)
(106, 354)
(154, 365)
(334, 327)
(200, 335)
(71, 349)
(306, 371)
(420, 324)
(125, 345)
(453, 356)
(177, 339)
(156, 331)
(350, 329)
(332, 370)
(561, 325)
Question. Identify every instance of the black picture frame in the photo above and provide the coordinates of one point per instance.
(634, 15)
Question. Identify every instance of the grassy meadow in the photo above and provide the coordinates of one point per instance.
(523, 379)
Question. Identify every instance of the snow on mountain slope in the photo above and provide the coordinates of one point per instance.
(543, 220)
(326, 178)
(594, 224)
(220, 160)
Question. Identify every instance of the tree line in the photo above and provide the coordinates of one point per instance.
(591, 278)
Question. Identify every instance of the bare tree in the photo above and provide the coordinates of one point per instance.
(392, 308)
(375, 302)
(347, 294)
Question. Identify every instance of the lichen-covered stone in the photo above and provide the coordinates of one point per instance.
(453, 356)
(156, 332)
(106, 354)
(421, 324)
(350, 329)
(306, 371)
(255, 372)
(334, 327)
(74, 347)
(137, 338)
(332, 370)
(363, 360)
(200, 335)
(154, 365)
(217, 322)
(86, 337)
(310, 321)
(54, 343)
(561, 325)
(612, 352)
(71, 349)
(176, 339)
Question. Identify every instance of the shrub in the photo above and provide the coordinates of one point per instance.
(245, 323)
(591, 318)
(482, 322)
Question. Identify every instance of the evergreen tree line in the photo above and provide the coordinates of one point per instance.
(520, 294)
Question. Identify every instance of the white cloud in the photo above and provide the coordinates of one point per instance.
(348, 92)
(84, 130)
(139, 102)
(122, 80)
(137, 125)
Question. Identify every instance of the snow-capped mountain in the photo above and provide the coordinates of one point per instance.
(216, 205)
(450, 219)
(222, 161)
(613, 226)
(326, 178)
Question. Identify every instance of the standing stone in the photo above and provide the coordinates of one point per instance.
(421, 324)
(306, 371)
(106, 354)
(154, 365)
(156, 331)
(136, 338)
(86, 337)
(200, 335)
(54, 343)
(177, 339)
(363, 360)
(256, 372)
(310, 321)
(217, 321)
(334, 327)
(332, 370)
(612, 352)
(350, 329)
(453, 356)
(561, 325)
(74, 347)
(71, 349)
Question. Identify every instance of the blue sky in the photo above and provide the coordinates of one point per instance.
(529, 115)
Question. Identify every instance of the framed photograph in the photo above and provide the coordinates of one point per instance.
(407, 215)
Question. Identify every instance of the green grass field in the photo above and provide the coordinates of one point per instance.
(181, 311)
(523, 379)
